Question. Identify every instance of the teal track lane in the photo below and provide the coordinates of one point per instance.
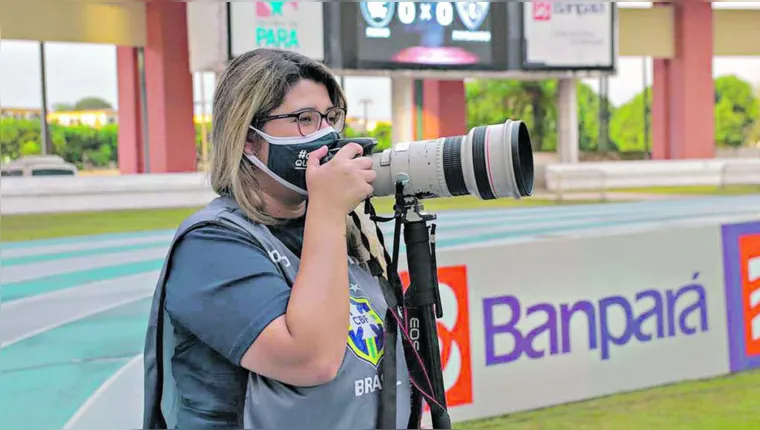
(40, 258)
(44, 379)
(23, 289)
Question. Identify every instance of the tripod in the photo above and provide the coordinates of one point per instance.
(422, 299)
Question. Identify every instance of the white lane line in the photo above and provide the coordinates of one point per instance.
(90, 289)
(81, 246)
(59, 267)
(36, 312)
(73, 318)
(134, 361)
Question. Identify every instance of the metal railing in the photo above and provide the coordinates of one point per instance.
(597, 176)
(739, 173)
(605, 177)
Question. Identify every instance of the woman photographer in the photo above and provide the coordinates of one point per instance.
(274, 322)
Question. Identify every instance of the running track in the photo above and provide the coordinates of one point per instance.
(73, 312)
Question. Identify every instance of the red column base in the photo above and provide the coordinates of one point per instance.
(171, 146)
(683, 102)
(444, 109)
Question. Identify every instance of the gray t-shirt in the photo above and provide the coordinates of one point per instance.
(221, 292)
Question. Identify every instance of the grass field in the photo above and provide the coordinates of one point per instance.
(727, 403)
(15, 228)
(696, 190)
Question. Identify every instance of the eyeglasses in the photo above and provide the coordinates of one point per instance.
(310, 120)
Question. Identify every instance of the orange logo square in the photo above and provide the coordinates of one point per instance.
(749, 256)
(453, 333)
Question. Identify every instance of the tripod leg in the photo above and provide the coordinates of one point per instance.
(420, 300)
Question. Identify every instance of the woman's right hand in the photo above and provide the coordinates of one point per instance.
(344, 181)
(307, 346)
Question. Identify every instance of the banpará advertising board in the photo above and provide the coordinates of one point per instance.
(569, 35)
(548, 322)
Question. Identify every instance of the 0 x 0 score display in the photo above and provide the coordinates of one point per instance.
(432, 33)
(380, 14)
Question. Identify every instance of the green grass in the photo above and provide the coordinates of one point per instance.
(385, 204)
(727, 403)
(14, 228)
(697, 190)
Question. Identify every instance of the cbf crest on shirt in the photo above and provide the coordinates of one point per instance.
(365, 331)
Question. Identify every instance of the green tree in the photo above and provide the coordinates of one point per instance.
(382, 132)
(63, 107)
(589, 106)
(87, 146)
(542, 119)
(82, 145)
(736, 111)
(491, 101)
(627, 125)
(13, 134)
(17, 137)
(754, 136)
(30, 147)
(92, 103)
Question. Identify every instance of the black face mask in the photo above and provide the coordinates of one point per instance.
(287, 156)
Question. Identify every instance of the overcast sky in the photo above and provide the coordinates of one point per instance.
(78, 70)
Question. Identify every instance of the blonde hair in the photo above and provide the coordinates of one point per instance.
(253, 85)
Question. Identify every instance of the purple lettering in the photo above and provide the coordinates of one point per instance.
(655, 311)
(613, 321)
(700, 304)
(491, 330)
(605, 336)
(567, 314)
(549, 326)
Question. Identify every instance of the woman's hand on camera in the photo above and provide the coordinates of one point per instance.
(307, 346)
(343, 182)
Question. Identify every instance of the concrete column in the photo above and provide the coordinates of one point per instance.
(169, 85)
(402, 106)
(131, 156)
(683, 102)
(169, 103)
(444, 108)
(567, 112)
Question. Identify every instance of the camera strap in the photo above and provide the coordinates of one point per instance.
(387, 407)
